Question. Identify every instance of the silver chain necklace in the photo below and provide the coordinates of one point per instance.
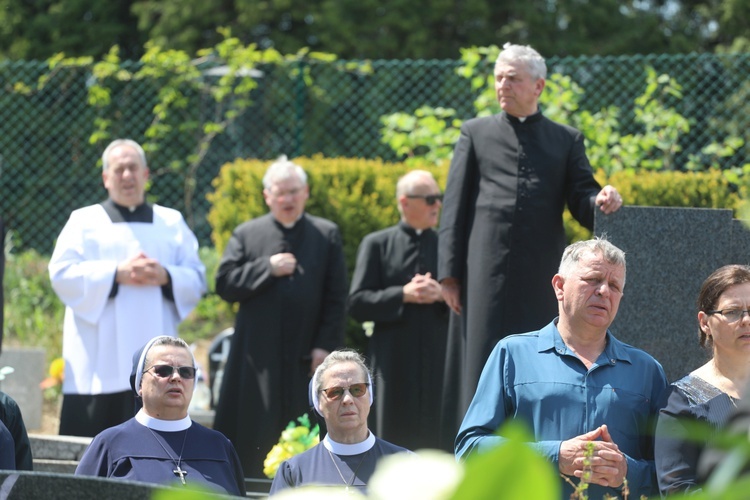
(177, 471)
(354, 474)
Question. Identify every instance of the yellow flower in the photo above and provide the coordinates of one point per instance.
(293, 440)
(57, 369)
(56, 374)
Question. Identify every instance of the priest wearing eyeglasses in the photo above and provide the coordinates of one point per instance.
(286, 271)
(161, 444)
(394, 286)
(341, 391)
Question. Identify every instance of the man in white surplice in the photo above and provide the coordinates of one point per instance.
(127, 271)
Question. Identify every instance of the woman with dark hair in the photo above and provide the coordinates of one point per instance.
(161, 444)
(710, 393)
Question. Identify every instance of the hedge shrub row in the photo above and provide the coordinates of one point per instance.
(360, 196)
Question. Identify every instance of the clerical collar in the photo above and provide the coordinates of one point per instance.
(522, 119)
(162, 425)
(349, 449)
(120, 213)
(291, 224)
(406, 227)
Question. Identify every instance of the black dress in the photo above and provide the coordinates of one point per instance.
(676, 451)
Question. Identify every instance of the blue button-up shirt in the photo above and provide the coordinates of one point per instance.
(535, 377)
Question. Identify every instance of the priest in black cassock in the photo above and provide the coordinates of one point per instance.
(286, 269)
(501, 230)
(394, 286)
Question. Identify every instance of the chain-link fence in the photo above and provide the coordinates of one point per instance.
(48, 167)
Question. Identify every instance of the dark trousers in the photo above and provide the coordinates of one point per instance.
(87, 415)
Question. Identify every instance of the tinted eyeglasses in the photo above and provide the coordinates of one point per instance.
(336, 393)
(166, 371)
(430, 199)
(731, 315)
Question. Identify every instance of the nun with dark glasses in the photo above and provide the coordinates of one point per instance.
(161, 444)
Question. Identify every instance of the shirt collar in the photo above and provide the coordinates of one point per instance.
(410, 230)
(550, 339)
(162, 425)
(533, 118)
(349, 449)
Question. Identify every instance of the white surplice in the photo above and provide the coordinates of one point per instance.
(100, 334)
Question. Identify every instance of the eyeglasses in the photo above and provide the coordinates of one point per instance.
(336, 393)
(731, 315)
(166, 371)
(430, 199)
(279, 194)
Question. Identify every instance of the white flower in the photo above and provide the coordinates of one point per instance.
(318, 493)
(426, 474)
(6, 370)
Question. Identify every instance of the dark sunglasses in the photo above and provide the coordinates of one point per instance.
(336, 393)
(166, 371)
(430, 199)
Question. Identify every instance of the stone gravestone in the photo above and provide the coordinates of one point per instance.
(23, 384)
(670, 252)
(25, 485)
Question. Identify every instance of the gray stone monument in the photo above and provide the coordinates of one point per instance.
(670, 252)
(51, 486)
(29, 366)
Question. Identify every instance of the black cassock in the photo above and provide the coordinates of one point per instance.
(408, 344)
(502, 235)
(280, 320)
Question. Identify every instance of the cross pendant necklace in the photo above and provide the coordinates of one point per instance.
(177, 471)
(354, 474)
(181, 473)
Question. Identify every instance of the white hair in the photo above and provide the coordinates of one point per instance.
(283, 169)
(533, 61)
(123, 142)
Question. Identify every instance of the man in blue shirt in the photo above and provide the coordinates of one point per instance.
(573, 382)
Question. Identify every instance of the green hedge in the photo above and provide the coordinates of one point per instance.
(359, 195)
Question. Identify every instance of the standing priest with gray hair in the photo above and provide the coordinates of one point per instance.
(127, 270)
(286, 270)
(501, 231)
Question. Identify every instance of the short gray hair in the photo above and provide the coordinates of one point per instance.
(123, 142)
(340, 356)
(406, 182)
(283, 169)
(534, 62)
(572, 255)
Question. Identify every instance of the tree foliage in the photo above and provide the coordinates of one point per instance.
(427, 134)
(395, 29)
(223, 78)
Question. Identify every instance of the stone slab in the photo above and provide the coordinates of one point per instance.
(23, 384)
(670, 252)
(49, 485)
(46, 446)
